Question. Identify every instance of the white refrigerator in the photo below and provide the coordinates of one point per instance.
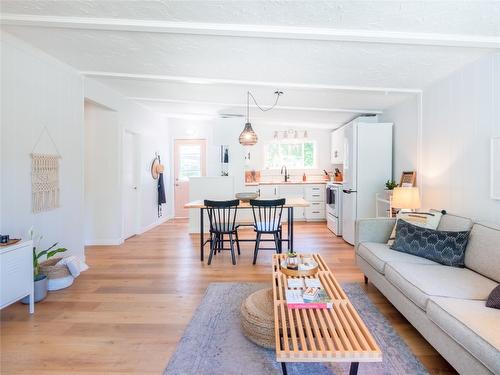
(367, 166)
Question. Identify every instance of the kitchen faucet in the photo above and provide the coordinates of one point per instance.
(287, 176)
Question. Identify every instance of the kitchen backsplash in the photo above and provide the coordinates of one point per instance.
(295, 175)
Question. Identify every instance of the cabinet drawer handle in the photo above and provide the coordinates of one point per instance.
(315, 212)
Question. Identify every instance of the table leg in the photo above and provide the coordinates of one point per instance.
(202, 234)
(283, 368)
(289, 225)
(290, 220)
(354, 368)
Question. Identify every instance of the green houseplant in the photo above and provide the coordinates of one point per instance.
(39, 279)
(391, 184)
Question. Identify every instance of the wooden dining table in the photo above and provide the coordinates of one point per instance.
(290, 204)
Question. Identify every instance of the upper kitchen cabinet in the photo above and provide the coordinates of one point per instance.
(337, 146)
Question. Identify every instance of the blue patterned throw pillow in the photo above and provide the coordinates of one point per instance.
(443, 247)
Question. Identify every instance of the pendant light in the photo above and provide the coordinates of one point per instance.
(248, 137)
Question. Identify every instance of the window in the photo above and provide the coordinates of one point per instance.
(292, 153)
(190, 161)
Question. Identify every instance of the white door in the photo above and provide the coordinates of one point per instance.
(337, 146)
(349, 198)
(349, 207)
(350, 157)
(130, 178)
(189, 161)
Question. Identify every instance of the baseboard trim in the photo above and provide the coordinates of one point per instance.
(119, 241)
(104, 242)
(160, 220)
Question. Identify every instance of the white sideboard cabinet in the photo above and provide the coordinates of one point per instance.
(16, 274)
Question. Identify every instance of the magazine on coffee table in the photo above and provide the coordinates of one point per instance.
(309, 298)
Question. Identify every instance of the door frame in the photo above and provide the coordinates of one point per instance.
(174, 152)
(136, 173)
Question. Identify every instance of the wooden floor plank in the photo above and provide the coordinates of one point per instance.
(127, 313)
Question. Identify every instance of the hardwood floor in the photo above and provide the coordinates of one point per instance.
(126, 314)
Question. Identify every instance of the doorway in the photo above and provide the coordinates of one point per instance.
(189, 161)
(130, 185)
(102, 197)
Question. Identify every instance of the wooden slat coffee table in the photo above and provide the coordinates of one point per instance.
(320, 335)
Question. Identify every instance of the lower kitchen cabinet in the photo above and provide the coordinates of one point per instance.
(313, 193)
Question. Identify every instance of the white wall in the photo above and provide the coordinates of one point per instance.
(460, 114)
(405, 135)
(152, 132)
(38, 91)
(103, 198)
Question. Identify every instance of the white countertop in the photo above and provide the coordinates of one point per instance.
(17, 245)
(295, 182)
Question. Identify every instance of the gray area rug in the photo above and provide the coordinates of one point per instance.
(213, 343)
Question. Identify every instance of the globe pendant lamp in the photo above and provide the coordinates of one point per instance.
(248, 137)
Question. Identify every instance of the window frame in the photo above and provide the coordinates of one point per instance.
(302, 142)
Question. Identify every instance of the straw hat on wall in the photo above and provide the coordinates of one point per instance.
(156, 168)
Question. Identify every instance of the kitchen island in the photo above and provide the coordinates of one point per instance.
(290, 205)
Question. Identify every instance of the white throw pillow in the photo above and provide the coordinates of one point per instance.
(424, 219)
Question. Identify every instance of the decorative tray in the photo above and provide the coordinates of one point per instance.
(12, 241)
(310, 268)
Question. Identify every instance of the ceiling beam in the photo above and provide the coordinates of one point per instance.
(242, 105)
(257, 120)
(275, 85)
(254, 31)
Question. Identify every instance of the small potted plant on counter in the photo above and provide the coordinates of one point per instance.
(391, 184)
(39, 279)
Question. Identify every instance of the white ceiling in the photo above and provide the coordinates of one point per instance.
(334, 60)
(453, 17)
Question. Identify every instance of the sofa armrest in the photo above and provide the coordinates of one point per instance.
(374, 230)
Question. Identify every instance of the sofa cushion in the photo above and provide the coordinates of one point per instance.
(472, 325)
(419, 282)
(425, 219)
(483, 251)
(444, 247)
(454, 223)
(378, 254)
(493, 300)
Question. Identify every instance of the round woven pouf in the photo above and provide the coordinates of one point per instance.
(257, 318)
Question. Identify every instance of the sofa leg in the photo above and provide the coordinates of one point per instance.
(366, 279)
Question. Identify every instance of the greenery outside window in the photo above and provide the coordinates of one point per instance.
(299, 154)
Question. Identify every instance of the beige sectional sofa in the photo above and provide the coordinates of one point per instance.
(445, 304)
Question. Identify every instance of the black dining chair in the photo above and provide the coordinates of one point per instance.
(267, 220)
(222, 217)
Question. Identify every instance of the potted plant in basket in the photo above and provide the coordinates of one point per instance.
(39, 279)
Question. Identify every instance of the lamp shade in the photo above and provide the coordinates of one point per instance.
(248, 137)
(406, 198)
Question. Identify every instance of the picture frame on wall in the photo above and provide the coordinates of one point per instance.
(408, 179)
(495, 168)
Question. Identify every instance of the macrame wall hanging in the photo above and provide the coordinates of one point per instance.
(45, 178)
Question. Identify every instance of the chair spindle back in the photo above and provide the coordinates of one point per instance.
(222, 215)
(267, 214)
